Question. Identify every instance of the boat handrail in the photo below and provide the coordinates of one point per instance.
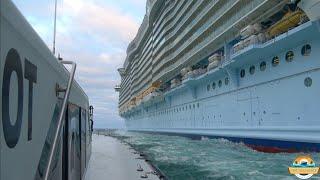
(61, 115)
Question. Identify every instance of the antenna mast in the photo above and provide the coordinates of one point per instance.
(55, 28)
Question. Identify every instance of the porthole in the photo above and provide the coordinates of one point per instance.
(263, 66)
(194, 106)
(190, 106)
(275, 61)
(289, 56)
(242, 73)
(208, 87)
(252, 70)
(308, 82)
(220, 83)
(226, 81)
(306, 50)
(198, 105)
(213, 85)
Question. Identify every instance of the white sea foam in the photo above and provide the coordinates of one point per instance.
(184, 158)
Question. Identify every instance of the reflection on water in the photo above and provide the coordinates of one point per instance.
(184, 158)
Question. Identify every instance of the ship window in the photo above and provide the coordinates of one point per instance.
(194, 106)
(189, 106)
(252, 70)
(306, 50)
(308, 82)
(213, 85)
(220, 83)
(226, 81)
(198, 105)
(275, 61)
(208, 87)
(263, 66)
(242, 73)
(289, 56)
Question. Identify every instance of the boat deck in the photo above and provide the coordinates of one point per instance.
(112, 159)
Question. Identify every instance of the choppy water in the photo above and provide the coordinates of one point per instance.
(184, 158)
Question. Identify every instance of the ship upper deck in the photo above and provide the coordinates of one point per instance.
(177, 34)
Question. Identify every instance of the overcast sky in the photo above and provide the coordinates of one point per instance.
(95, 34)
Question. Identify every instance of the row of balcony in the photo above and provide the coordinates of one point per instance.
(205, 27)
(209, 37)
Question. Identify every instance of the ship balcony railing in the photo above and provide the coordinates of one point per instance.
(227, 7)
(209, 23)
(210, 39)
(202, 30)
(174, 33)
(180, 25)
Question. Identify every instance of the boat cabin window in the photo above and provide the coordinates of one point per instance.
(220, 83)
(289, 56)
(306, 50)
(275, 61)
(252, 70)
(242, 73)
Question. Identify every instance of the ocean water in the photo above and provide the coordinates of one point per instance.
(184, 158)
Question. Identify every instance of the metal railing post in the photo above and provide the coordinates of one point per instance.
(61, 115)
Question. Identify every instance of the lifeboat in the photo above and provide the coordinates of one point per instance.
(290, 20)
(253, 39)
(247, 31)
(214, 61)
(175, 82)
(184, 71)
(237, 47)
(213, 65)
(262, 37)
(189, 75)
(214, 57)
(251, 30)
(152, 98)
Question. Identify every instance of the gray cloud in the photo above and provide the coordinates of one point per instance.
(95, 34)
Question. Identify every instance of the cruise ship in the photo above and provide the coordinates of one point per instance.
(244, 70)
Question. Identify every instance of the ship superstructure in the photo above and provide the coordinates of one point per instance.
(245, 70)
